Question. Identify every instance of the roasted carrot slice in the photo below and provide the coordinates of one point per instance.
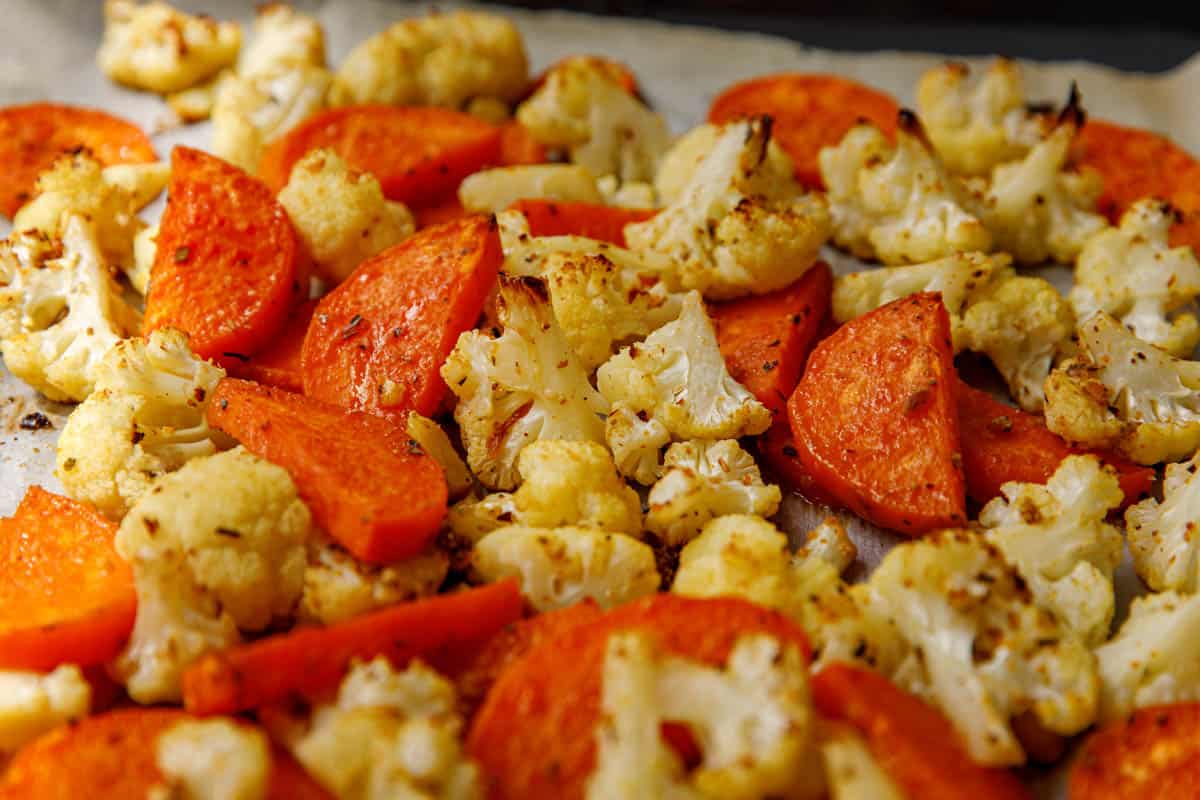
(419, 155)
(368, 485)
(517, 146)
(289, 781)
(1154, 754)
(911, 740)
(228, 267)
(33, 136)
(447, 211)
(810, 112)
(534, 737)
(278, 364)
(378, 340)
(310, 660)
(766, 339)
(595, 221)
(875, 417)
(1001, 444)
(777, 447)
(65, 594)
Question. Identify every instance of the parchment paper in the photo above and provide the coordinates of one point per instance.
(47, 52)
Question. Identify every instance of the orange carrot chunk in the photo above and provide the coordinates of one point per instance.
(228, 267)
(593, 220)
(65, 594)
(368, 485)
(378, 340)
(448, 211)
(777, 447)
(875, 417)
(33, 136)
(1154, 754)
(310, 660)
(278, 364)
(911, 740)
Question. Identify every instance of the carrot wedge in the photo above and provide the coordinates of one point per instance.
(1154, 754)
(593, 220)
(278, 364)
(65, 594)
(875, 417)
(911, 740)
(310, 660)
(368, 485)
(777, 447)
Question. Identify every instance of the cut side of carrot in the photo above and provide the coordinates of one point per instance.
(228, 268)
(810, 112)
(377, 341)
(65, 594)
(534, 737)
(419, 155)
(767, 338)
(875, 417)
(448, 211)
(278, 364)
(593, 220)
(518, 147)
(777, 447)
(33, 136)
(311, 660)
(911, 740)
(369, 486)
(1154, 754)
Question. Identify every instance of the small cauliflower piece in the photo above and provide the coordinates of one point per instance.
(493, 190)
(472, 518)
(145, 247)
(1134, 274)
(690, 150)
(22, 254)
(631, 194)
(526, 254)
(157, 48)
(520, 386)
(282, 38)
(703, 480)
(897, 203)
(851, 771)
(1162, 534)
(437, 445)
(1056, 537)
(216, 547)
(678, 376)
(32, 703)
(213, 759)
(636, 439)
(741, 225)
(196, 103)
(341, 215)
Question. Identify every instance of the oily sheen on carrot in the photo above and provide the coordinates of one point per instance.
(369, 486)
(278, 364)
(534, 736)
(810, 112)
(310, 660)
(593, 220)
(33, 136)
(377, 341)
(911, 740)
(228, 268)
(65, 594)
(1154, 754)
(875, 417)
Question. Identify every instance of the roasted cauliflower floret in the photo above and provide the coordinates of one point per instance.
(146, 418)
(493, 190)
(520, 386)
(32, 703)
(678, 376)
(160, 49)
(1120, 392)
(472, 518)
(703, 480)
(216, 547)
(212, 759)
(145, 248)
(22, 254)
(68, 312)
(437, 445)
(636, 439)
(689, 151)
(897, 204)
(1162, 534)
(1133, 273)
(740, 225)
(281, 38)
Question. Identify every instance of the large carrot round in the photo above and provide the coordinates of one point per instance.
(65, 594)
(1154, 754)
(228, 268)
(875, 417)
(278, 364)
(535, 734)
(33, 136)
(595, 221)
(810, 112)
(377, 341)
(419, 155)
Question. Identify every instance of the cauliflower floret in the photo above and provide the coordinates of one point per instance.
(283, 37)
(341, 215)
(678, 376)
(1134, 274)
(754, 726)
(212, 759)
(741, 224)
(631, 194)
(1056, 537)
(251, 111)
(70, 313)
(985, 652)
(1161, 534)
(1123, 393)
(977, 127)
(145, 247)
(473, 518)
(437, 60)
(689, 151)
(493, 190)
(437, 445)
(145, 418)
(196, 103)
(850, 769)
(389, 735)
(32, 704)
(520, 386)
(897, 204)
(22, 254)
(703, 480)
(216, 547)
(160, 49)
(636, 439)
(559, 567)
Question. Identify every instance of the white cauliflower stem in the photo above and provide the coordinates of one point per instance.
(493, 190)
(1162, 535)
